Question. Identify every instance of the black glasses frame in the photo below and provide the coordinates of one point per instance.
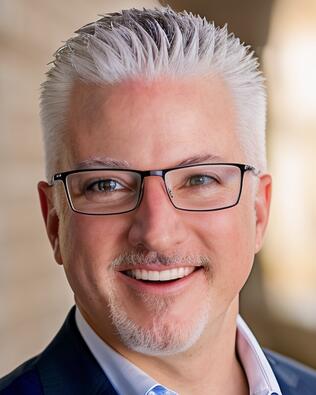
(146, 173)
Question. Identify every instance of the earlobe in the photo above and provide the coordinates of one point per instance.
(262, 207)
(50, 217)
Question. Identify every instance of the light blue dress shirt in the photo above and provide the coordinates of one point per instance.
(127, 378)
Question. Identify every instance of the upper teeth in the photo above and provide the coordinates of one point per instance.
(164, 275)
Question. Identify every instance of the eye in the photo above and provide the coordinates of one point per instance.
(108, 185)
(201, 179)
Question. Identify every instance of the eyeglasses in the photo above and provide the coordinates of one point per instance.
(200, 187)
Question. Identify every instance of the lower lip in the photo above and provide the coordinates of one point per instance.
(161, 288)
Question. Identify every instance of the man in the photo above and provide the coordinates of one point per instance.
(157, 200)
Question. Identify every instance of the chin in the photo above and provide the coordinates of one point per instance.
(159, 333)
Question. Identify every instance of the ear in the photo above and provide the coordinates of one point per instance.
(262, 207)
(50, 217)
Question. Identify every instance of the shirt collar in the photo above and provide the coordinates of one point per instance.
(261, 378)
(127, 378)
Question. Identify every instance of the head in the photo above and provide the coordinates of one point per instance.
(152, 90)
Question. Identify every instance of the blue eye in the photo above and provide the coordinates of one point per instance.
(200, 179)
(104, 186)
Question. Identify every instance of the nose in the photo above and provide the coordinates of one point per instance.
(157, 225)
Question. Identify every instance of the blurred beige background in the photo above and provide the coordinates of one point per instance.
(279, 300)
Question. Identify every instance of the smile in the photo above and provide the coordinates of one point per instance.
(161, 282)
(163, 275)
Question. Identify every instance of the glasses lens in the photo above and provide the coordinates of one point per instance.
(204, 187)
(103, 191)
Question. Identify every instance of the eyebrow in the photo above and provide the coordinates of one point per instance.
(103, 162)
(200, 159)
(123, 164)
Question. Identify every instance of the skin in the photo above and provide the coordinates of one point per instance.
(156, 125)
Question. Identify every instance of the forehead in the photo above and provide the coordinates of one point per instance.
(152, 124)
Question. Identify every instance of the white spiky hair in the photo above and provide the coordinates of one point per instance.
(148, 43)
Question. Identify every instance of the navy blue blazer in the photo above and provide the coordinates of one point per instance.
(67, 367)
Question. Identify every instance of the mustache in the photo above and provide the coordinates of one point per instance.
(148, 258)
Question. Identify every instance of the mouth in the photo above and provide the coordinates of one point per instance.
(156, 281)
(160, 276)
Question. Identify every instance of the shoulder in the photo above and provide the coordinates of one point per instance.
(23, 380)
(66, 366)
(292, 376)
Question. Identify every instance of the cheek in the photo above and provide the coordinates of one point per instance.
(88, 246)
(228, 238)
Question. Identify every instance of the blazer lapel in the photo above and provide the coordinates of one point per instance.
(293, 378)
(67, 366)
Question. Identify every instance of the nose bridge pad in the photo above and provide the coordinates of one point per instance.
(169, 190)
(155, 174)
(141, 193)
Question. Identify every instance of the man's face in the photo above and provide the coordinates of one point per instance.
(156, 125)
